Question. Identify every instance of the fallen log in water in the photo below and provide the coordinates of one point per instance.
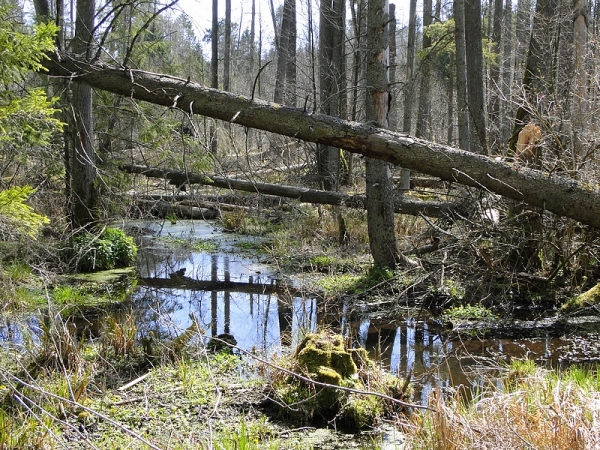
(163, 209)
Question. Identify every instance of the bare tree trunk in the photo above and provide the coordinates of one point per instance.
(252, 43)
(410, 67)
(474, 61)
(581, 83)
(379, 183)
(331, 84)
(464, 141)
(495, 82)
(507, 71)
(404, 184)
(283, 45)
(214, 70)
(424, 112)
(290, 64)
(357, 9)
(82, 201)
(560, 195)
(227, 47)
(450, 90)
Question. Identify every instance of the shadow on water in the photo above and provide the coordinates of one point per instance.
(226, 292)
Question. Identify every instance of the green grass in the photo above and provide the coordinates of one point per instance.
(469, 312)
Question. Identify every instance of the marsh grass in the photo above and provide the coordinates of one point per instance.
(535, 409)
(119, 335)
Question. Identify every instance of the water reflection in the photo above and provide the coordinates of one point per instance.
(228, 293)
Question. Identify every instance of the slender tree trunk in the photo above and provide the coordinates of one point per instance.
(581, 84)
(214, 70)
(357, 9)
(252, 43)
(523, 34)
(495, 82)
(450, 90)
(507, 71)
(464, 141)
(83, 196)
(331, 84)
(282, 52)
(474, 60)
(227, 48)
(290, 64)
(424, 112)
(404, 184)
(410, 67)
(379, 183)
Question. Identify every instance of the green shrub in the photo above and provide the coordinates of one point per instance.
(110, 250)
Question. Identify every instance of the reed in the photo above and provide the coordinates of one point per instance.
(537, 409)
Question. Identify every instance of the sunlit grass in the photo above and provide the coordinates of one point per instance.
(536, 409)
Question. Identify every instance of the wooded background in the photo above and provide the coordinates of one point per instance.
(454, 87)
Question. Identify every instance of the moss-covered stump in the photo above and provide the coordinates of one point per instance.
(324, 358)
(584, 300)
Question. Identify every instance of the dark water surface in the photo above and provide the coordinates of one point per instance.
(227, 292)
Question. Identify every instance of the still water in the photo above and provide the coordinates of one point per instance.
(226, 291)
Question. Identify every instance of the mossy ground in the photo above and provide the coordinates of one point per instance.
(196, 399)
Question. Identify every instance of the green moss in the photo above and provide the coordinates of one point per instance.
(321, 353)
(362, 411)
(588, 298)
(324, 357)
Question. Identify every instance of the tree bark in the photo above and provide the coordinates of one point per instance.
(461, 76)
(410, 66)
(290, 64)
(402, 205)
(424, 110)
(474, 60)
(378, 175)
(214, 69)
(560, 195)
(495, 88)
(227, 47)
(82, 195)
(580, 88)
(331, 84)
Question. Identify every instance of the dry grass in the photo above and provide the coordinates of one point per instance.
(540, 411)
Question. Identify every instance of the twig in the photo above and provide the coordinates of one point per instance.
(133, 382)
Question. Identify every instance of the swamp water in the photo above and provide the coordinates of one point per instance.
(191, 271)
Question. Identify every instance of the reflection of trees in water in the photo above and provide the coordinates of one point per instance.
(152, 307)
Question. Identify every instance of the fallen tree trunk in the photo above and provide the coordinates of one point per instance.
(402, 205)
(562, 196)
(165, 209)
